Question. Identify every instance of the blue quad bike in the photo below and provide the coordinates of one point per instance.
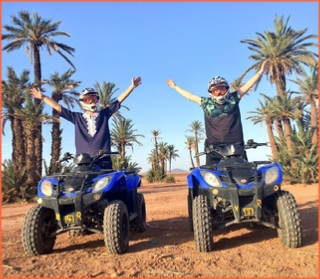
(235, 191)
(88, 199)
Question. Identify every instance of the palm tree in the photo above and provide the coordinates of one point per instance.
(123, 134)
(105, 97)
(153, 159)
(30, 117)
(163, 155)
(284, 107)
(35, 33)
(63, 90)
(308, 87)
(190, 145)
(286, 50)
(172, 154)
(264, 114)
(156, 137)
(196, 128)
(13, 98)
(236, 84)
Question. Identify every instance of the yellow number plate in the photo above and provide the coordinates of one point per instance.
(248, 211)
(69, 219)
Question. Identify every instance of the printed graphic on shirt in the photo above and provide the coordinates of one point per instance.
(213, 109)
(91, 121)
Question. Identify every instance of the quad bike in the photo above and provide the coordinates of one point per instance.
(88, 199)
(235, 191)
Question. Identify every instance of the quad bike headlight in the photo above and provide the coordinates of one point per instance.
(46, 188)
(101, 183)
(272, 175)
(211, 179)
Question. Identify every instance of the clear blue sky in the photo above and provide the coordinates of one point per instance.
(189, 42)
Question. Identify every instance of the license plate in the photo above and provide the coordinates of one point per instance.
(248, 211)
(69, 219)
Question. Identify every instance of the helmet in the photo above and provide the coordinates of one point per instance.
(86, 92)
(216, 82)
(83, 159)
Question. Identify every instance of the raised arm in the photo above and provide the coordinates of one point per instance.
(135, 82)
(183, 92)
(251, 82)
(36, 93)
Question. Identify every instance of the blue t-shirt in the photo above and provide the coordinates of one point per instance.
(91, 131)
(223, 122)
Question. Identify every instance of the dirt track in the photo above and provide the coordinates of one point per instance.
(167, 248)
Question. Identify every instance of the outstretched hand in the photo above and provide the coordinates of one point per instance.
(264, 66)
(136, 81)
(36, 93)
(170, 83)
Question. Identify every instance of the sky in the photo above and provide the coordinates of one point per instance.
(189, 42)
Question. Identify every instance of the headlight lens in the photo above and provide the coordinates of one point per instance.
(101, 183)
(272, 175)
(211, 179)
(46, 188)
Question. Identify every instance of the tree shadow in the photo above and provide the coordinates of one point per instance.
(176, 231)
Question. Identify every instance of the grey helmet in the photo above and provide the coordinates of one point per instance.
(216, 82)
(83, 159)
(86, 92)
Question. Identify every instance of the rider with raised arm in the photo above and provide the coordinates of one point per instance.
(221, 110)
(91, 127)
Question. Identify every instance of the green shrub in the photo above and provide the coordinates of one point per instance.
(170, 179)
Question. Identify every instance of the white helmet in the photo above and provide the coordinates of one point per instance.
(86, 92)
(216, 82)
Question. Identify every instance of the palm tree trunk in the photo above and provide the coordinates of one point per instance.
(279, 129)
(274, 148)
(192, 163)
(197, 150)
(30, 157)
(18, 145)
(288, 131)
(56, 133)
(123, 151)
(314, 124)
(281, 83)
(38, 136)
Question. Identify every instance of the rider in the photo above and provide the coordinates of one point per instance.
(221, 111)
(91, 127)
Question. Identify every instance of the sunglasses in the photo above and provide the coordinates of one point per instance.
(218, 91)
(89, 100)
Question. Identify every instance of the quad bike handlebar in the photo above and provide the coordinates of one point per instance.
(252, 144)
(219, 148)
(101, 154)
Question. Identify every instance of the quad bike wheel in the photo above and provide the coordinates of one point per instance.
(139, 224)
(202, 224)
(288, 220)
(116, 227)
(190, 213)
(38, 224)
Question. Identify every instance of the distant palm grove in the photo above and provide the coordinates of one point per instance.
(291, 117)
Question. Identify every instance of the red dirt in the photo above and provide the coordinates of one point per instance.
(166, 248)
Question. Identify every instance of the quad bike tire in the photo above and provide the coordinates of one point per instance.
(202, 224)
(288, 220)
(139, 224)
(38, 224)
(116, 227)
(190, 213)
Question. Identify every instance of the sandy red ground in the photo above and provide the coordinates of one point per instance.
(166, 248)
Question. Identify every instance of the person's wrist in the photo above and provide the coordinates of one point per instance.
(43, 96)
